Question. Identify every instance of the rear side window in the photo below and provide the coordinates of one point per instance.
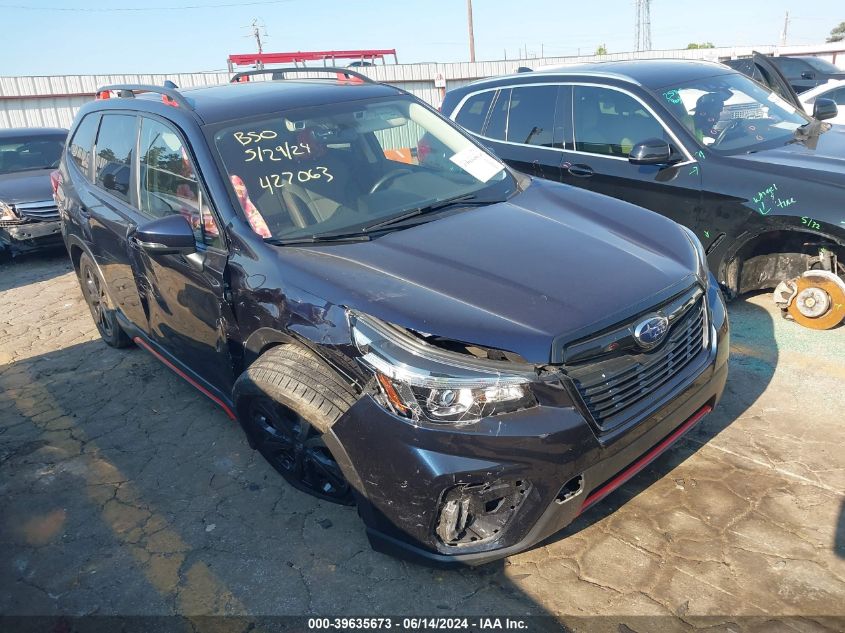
(498, 125)
(115, 145)
(531, 115)
(169, 182)
(474, 111)
(82, 143)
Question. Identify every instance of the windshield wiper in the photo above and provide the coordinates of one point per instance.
(469, 199)
(317, 239)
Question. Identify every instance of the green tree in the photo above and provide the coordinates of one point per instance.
(694, 45)
(601, 50)
(837, 33)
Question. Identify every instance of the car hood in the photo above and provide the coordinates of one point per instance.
(553, 262)
(26, 186)
(820, 157)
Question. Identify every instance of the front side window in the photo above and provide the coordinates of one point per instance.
(792, 68)
(730, 113)
(169, 184)
(28, 153)
(531, 115)
(474, 111)
(610, 122)
(113, 161)
(82, 143)
(333, 168)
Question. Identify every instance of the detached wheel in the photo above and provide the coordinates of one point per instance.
(285, 401)
(102, 311)
(819, 302)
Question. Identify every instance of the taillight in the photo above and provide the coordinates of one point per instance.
(55, 180)
(103, 94)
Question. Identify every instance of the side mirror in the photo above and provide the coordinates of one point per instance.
(170, 235)
(653, 151)
(808, 74)
(824, 109)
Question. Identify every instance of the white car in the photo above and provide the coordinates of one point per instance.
(835, 90)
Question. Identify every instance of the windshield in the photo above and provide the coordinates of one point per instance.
(822, 65)
(343, 167)
(732, 114)
(33, 152)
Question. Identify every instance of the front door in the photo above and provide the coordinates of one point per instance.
(184, 296)
(607, 122)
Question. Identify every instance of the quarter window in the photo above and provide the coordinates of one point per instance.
(83, 142)
(531, 115)
(115, 145)
(474, 112)
(169, 183)
(610, 122)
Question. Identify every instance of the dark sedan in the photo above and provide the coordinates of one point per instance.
(28, 215)
(759, 182)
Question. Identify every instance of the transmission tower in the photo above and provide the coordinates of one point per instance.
(643, 25)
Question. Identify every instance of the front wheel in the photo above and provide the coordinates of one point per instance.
(285, 401)
(95, 295)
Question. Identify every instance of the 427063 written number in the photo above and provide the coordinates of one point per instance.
(277, 181)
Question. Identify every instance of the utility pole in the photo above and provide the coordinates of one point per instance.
(471, 33)
(785, 30)
(643, 35)
(257, 35)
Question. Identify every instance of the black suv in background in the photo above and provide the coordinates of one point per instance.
(28, 216)
(472, 357)
(758, 181)
(803, 72)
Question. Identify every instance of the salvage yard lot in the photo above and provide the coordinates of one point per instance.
(125, 492)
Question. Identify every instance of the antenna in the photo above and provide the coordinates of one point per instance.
(643, 36)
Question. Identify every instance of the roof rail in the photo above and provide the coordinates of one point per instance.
(237, 77)
(129, 90)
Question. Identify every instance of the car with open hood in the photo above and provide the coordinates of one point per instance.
(29, 219)
(471, 356)
(759, 182)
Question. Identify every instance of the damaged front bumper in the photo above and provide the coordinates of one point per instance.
(458, 495)
(23, 236)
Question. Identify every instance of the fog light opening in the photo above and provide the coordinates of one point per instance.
(570, 489)
(475, 514)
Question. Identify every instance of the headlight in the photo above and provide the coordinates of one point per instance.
(7, 212)
(422, 382)
(703, 270)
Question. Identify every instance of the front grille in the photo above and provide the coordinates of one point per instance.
(42, 211)
(617, 389)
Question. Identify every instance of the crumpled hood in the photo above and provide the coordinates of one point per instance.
(26, 186)
(552, 261)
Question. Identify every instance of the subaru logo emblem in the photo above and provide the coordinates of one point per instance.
(651, 330)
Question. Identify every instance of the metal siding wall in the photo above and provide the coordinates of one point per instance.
(58, 109)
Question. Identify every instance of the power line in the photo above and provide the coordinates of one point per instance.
(24, 7)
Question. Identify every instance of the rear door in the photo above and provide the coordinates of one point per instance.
(607, 123)
(184, 296)
(108, 207)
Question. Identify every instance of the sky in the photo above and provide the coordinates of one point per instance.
(55, 37)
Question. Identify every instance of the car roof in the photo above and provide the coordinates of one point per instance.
(17, 132)
(651, 73)
(250, 98)
(822, 88)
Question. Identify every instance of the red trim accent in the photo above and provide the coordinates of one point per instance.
(645, 460)
(181, 373)
(246, 59)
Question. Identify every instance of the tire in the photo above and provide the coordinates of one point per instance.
(285, 401)
(102, 311)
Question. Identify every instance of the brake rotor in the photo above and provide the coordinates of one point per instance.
(818, 304)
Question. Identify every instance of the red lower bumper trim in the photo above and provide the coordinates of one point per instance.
(179, 372)
(645, 460)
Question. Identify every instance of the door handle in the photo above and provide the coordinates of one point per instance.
(581, 171)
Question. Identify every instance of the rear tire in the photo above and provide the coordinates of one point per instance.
(285, 401)
(102, 311)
